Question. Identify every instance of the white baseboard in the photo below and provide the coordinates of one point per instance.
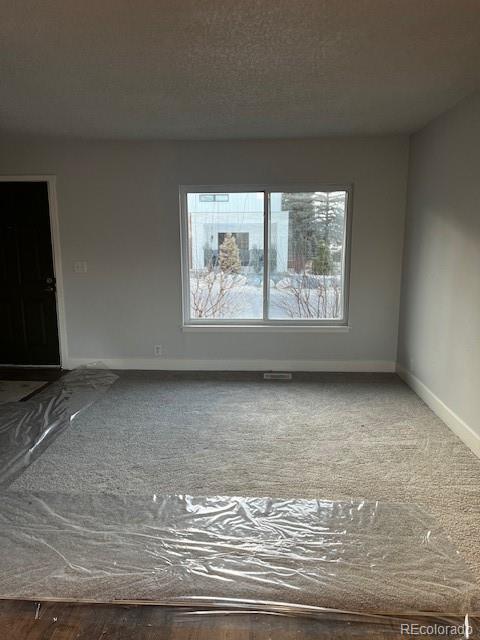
(166, 364)
(459, 427)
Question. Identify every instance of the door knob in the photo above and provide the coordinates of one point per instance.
(49, 289)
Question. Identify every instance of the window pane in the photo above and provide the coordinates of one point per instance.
(225, 258)
(307, 244)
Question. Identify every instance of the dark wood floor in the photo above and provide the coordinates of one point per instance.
(26, 373)
(35, 373)
(22, 620)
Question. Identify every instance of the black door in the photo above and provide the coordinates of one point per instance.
(28, 308)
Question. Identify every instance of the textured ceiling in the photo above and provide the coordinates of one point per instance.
(233, 68)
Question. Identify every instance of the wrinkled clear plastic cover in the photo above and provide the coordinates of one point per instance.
(27, 428)
(257, 554)
(353, 555)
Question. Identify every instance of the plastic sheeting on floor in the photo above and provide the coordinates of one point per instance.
(355, 568)
(349, 555)
(28, 428)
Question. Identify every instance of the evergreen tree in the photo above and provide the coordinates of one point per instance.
(314, 218)
(229, 255)
(322, 264)
(256, 261)
(272, 261)
(302, 241)
(330, 215)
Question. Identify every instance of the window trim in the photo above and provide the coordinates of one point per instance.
(189, 323)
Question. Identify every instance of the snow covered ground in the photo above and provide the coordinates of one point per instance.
(244, 301)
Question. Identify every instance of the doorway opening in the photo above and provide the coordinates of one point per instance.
(29, 324)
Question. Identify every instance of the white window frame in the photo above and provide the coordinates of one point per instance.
(192, 324)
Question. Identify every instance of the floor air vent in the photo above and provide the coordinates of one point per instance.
(277, 376)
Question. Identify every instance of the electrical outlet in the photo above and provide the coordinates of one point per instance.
(157, 350)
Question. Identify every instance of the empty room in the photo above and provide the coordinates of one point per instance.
(239, 313)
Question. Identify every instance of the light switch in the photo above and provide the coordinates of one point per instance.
(80, 266)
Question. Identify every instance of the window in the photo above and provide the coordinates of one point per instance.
(266, 257)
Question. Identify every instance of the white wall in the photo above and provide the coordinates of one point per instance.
(118, 208)
(439, 345)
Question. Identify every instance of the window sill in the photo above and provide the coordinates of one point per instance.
(265, 328)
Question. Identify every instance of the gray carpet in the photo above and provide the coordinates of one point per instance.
(320, 436)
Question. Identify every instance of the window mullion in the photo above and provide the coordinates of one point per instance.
(266, 260)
